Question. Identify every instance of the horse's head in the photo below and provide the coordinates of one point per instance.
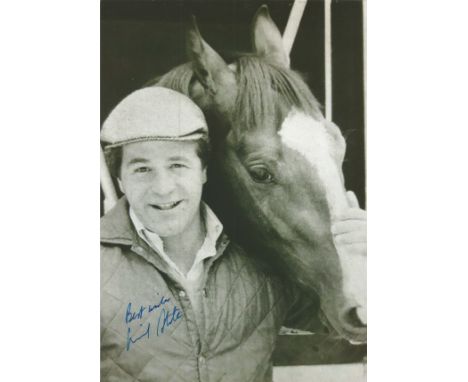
(282, 161)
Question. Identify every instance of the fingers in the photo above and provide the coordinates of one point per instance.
(349, 237)
(351, 225)
(351, 244)
(351, 214)
(349, 229)
(350, 232)
(352, 199)
(352, 249)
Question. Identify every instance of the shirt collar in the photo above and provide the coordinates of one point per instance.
(150, 237)
(213, 227)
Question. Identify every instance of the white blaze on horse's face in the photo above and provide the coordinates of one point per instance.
(310, 138)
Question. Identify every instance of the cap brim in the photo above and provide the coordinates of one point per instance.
(190, 137)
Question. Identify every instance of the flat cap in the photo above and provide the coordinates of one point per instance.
(154, 113)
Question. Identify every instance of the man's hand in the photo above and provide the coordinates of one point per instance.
(350, 236)
(350, 228)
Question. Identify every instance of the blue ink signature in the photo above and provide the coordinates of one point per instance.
(131, 340)
(138, 314)
(156, 306)
(168, 318)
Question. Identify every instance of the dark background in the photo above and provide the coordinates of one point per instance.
(143, 39)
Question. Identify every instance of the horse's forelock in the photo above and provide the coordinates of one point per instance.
(265, 89)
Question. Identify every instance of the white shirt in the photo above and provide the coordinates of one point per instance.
(192, 281)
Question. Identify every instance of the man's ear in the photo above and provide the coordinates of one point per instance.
(204, 175)
(267, 39)
(210, 69)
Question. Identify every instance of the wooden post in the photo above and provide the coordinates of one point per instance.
(328, 61)
(292, 26)
(110, 196)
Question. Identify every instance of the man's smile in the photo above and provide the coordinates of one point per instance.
(166, 206)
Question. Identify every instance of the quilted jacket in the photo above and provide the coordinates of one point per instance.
(147, 328)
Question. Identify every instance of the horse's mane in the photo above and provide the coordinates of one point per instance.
(262, 88)
(178, 79)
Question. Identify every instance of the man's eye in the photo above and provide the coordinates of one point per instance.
(178, 165)
(142, 169)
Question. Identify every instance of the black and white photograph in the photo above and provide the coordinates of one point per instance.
(233, 228)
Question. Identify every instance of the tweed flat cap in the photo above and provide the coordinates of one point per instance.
(154, 113)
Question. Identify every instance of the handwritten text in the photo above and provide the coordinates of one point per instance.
(167, 317)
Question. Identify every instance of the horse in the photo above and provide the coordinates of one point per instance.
(276, 164)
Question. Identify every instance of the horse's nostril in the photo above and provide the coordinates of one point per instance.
(352, 318)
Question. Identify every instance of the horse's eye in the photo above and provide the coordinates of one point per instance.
(260, 174)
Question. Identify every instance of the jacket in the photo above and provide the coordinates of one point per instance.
(148, 331)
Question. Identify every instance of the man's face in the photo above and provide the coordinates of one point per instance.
(163, 182)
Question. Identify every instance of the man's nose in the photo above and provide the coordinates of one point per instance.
(163, 183)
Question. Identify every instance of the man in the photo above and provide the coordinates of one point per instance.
(179, 301)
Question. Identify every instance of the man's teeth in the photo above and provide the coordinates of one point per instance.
(166, 206)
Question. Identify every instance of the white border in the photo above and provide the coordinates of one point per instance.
(417, 192)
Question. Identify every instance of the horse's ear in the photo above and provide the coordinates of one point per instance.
(267, 38)
(208, 65)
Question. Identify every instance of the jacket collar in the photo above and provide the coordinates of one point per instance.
(116, 227)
